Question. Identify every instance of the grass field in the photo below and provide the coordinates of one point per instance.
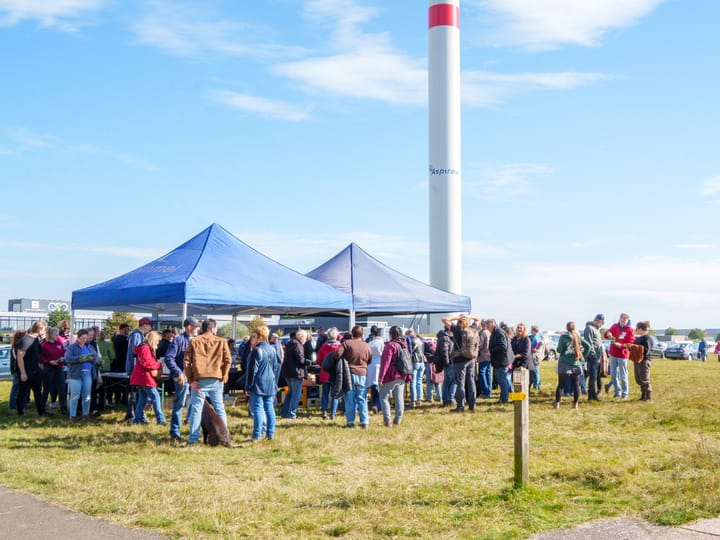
(438, 475)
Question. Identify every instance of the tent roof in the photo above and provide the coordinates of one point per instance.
(378, 289)
(213, 272)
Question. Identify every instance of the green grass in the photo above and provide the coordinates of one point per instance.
(437, 475)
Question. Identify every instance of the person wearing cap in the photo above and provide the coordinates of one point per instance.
(595, 354)
(175, 362)
(207, 366)
(135, 339)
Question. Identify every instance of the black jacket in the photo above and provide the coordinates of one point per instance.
(293, 366)
(501, 354)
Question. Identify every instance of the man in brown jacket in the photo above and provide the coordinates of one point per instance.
(207, 364)
(358, 356)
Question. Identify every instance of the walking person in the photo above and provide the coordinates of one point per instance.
(263, 373)
(621, 334)
(207, 365)
(175, 362)
(392, 382)
(591, 334)
(642, 368)
(572, 349)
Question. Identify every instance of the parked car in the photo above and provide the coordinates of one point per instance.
(5, 362)
(551, 343)
(659, 349)
(682, 350)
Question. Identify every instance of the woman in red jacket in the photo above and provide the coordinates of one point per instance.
(146, 369)
(329, 347)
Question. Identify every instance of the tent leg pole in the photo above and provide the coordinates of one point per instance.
(234, 324)
(352, 319)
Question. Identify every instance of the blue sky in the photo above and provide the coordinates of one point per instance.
(591, 171)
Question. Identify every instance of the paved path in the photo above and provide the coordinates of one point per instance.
(634, 529)
(26, 516)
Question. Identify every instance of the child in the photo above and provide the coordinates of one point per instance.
(642, 369)
(143, 376)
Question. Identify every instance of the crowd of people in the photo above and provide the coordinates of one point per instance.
(469, 358)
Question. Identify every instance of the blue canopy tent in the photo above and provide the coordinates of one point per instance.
(380, 290)
(213, 272)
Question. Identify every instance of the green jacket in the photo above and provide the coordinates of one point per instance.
(107, 352)
(566, 352)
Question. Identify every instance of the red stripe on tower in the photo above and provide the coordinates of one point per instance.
(444, 15)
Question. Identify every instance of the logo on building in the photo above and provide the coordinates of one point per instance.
(58, 306)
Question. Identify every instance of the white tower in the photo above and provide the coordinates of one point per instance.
(445, 160)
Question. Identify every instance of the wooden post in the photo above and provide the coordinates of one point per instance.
(521, 391)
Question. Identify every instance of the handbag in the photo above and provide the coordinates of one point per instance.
(637, 353)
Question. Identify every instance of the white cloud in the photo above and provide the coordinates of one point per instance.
(64, 15)
(711, 186)
(666, 291)
(697, 246)
(507, 182)
(24, 140)
(482, 88)
(263, 106)
(185, 29)
(548, 24)
(118, 251)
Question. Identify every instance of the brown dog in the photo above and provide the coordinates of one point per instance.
(214, 430)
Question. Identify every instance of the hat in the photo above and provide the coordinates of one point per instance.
(599, 317)
(191, 321)
(145, 320)
(123, 326)
(274, 335)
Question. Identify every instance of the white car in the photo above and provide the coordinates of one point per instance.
(5, 363)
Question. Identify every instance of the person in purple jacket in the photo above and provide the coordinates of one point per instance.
(391, 382)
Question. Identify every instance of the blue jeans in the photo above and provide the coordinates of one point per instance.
(356, 399)
(501, 378)
(535, 377)
(619, 376)
(449, 385)
(416, 388)
(263, 416)
(485, 379)
(181, 392)
(292, 400)
(80, 388)
(145, 394)
(397, 389)
(213, 389)
(326, 400)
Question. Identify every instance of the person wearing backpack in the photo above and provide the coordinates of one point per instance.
(391, 381)
(467, 343)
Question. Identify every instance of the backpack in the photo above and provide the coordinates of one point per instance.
(470, 345)
(403, 361)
